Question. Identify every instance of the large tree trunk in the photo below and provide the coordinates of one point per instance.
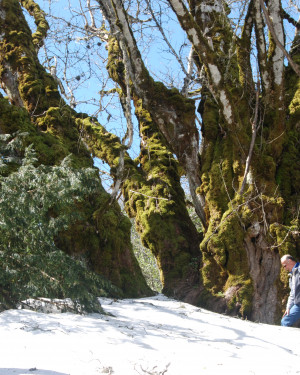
(153, 195)
(103, 234)
(237, 185)
(244, 131)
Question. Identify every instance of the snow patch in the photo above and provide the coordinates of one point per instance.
(47, 305)
(156, 335)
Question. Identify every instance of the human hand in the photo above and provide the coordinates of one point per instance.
(287, 311)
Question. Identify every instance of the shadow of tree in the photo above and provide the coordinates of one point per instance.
(31, 371)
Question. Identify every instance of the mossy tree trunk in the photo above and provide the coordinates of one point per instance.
(244, 131)
(245, 206)
(242, 184)
(35, 105)
(154, 197)
(153, 194)
(244, 179)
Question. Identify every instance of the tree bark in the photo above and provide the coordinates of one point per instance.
(103, 235)
(240, 258)
(152, 192)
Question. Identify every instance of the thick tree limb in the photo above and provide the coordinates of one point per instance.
(244, 49)
(40, 20)
(261, 47)
(203, 46)
(178, 129)
(294, 66)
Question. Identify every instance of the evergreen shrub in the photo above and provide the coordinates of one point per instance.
(36, 202)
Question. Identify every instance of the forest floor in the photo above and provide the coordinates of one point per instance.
(154, 336)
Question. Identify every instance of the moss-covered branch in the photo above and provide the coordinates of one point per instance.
(174, 114)
(160, 210)
(18, 59)
(153, 196)
(40, 20)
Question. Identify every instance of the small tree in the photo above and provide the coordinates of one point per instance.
(36, 203)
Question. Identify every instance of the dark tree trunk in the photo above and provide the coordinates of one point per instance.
(103, 236)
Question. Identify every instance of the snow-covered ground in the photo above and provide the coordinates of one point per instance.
(154, 335)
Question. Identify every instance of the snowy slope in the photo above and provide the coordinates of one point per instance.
(153, 335)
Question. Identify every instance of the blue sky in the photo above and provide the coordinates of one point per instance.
(87, 75)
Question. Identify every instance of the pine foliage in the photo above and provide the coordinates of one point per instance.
(36, 202)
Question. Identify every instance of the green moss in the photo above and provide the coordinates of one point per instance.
(152, 191)
(104, 235)
(288, 171)
(40, 21)
(210, 128)
(285, 237)
(157, 202)
(36, 92)
(213, 275)
(242, 295)
(223, 252)
(115, 65)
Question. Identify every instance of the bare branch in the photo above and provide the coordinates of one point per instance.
(291, 20)
(71, 98)
(88, 3)
(254, 132)
(187, 79)
(166, 39)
